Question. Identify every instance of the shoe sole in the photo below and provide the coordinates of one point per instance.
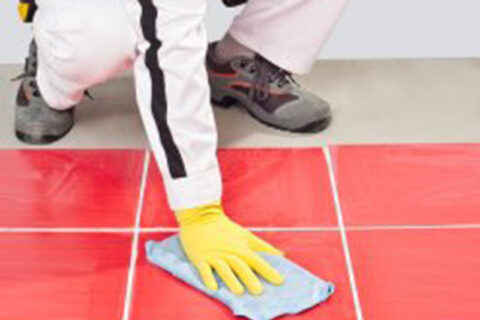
(312, 127)
(40, 140)
(22, 102)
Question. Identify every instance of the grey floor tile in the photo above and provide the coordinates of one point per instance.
(374, 101)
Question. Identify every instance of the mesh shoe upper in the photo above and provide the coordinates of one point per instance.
(268, 92)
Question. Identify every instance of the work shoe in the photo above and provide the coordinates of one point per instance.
(267, 92)
(35, 121)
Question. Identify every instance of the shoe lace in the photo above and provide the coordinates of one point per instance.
(267, 74)
(31, 63)
(31, 83)
(30, 71)
(89, 95)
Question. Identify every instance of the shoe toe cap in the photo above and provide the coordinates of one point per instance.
(306, 110)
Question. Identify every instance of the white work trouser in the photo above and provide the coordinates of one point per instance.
(82, 43)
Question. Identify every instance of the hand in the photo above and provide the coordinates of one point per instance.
(213, 242)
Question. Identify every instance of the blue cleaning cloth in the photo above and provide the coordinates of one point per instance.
(300, 291)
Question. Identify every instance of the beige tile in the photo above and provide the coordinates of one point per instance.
(389, 101)
(381, 101)
(109, 121)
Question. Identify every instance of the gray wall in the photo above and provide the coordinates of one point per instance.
(369, 29)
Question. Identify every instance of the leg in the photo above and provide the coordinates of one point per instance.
(288, 33)
(72, 51)
(254, 62)
(174, 99)
(80, 43)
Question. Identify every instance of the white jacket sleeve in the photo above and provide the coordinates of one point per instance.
(174, 98)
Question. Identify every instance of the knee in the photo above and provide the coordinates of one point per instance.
(80, 44)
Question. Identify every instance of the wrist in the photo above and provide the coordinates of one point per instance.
(200, 214)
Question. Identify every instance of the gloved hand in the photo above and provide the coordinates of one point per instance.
(213, 242)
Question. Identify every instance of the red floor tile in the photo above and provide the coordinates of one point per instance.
(410, 184)
(155, 207)
(63, 276)
(262, 188)
(424, 275)
(158, 295)
(69, 188)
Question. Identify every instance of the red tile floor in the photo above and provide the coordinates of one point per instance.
(396, 228)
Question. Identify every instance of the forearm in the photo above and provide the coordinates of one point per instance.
(174, 99)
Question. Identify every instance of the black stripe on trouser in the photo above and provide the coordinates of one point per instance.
(158, 99)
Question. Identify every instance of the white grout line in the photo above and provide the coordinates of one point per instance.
(135, 240)
(66, 230)
(413, 227)
(114, 230)
(343, 234)
(158, 230)
(254, 229)
(305, 229)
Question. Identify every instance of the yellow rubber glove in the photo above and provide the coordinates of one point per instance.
(213, 242)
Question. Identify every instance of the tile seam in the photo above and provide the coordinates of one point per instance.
(343, 234)
(135, 239)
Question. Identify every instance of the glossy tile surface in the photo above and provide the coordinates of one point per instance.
(66, 188)
(63, 276)
(158, 295)
(262, 188)
(417, 274)
(408, 184)
(156, 212)
(424, 265)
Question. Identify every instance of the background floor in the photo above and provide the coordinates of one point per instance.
(380, 101)
(392, 218)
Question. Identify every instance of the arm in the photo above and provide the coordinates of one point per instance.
(174, 100)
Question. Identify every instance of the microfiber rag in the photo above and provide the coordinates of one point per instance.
(300, 291)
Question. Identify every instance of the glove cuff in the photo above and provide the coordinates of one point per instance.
(200, 214)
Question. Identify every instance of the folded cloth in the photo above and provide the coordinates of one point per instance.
(300, 291)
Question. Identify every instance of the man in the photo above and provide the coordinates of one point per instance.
(80, 43)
